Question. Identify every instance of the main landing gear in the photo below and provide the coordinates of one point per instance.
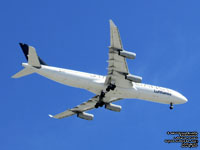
(171, 106)
(110, 87)
(100, 103)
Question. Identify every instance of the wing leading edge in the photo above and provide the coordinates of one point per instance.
(80, 109)
(117, 65)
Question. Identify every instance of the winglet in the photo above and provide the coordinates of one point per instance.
(51, 116)
(112, 23)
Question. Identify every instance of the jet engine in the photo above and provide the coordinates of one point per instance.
(127, 54)
(85, 116)
(113, 107)
(133, 78)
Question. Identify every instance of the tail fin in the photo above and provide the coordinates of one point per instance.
(27, 51)
(33, 60)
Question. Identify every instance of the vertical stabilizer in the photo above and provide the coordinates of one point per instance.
(32, 58)
(25, 48)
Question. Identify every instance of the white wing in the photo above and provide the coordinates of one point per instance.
(90, 104)
(117, 69)
(117, 66)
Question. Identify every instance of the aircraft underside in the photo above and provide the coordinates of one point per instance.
(116, 85)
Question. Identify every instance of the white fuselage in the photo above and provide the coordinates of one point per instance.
(95, 83)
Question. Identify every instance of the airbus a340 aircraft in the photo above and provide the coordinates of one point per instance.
(117, 85)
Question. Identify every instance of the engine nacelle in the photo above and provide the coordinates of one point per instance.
(134, 78)
(113, 107)
(85, 116)
(127, 54)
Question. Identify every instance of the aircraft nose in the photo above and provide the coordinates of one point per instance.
(180, 98)
(183, 98)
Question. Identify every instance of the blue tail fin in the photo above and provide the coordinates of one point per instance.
(25, 49)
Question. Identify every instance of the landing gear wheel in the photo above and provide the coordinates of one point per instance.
(100, 103)
(113, 86)
(101, 95)
(171, 106)
(110, 87)
(96, 106)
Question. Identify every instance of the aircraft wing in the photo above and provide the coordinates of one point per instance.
(90, 104)
(117, 65)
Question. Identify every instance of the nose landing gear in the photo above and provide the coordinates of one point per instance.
(171, 106)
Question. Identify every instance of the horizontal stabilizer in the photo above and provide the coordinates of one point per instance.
(24, 72)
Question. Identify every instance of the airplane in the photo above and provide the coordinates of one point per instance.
(118, 84)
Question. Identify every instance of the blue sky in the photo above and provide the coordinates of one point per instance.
(165, 35)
